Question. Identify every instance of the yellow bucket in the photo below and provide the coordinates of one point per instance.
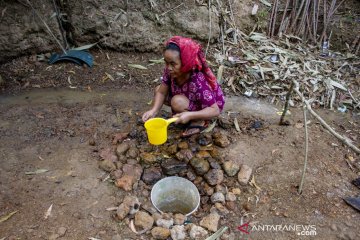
(156, 129)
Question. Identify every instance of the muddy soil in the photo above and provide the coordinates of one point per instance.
(48, 121)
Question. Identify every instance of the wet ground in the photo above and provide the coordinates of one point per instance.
(51, 128)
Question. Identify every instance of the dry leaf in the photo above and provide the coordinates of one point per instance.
(236, 125)
(7, 217)
(137, 66)
(109, 76)
(48, 212)
(38, 171)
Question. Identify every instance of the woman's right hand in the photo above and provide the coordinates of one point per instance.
(148, 115)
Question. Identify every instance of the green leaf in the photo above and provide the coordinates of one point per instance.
(41, 170)
(137, 66)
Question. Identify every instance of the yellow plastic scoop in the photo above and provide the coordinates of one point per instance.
(156, 129)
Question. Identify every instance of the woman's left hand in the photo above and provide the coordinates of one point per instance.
(184, 117)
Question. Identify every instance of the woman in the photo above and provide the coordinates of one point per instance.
(188, 86)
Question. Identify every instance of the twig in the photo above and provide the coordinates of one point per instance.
(306, 150)
(288, 95)
(171, 9)
(345, 140)
(47, 27)
(208, 43)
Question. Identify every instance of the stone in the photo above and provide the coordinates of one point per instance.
(218, 197)
(184, 155)
(172, 150)
(119, 165)
(130, 205)
(231, 168)
(221, 188)
(148, 158)
(236, 191)
(210, 222)
(126, 182)
(122, 148)
(133, 152)
(201, 166)
(109, 155)
(230, 205)
(197, 232)
(214, 177)
(61, 231)
(133, 169)
(214, 164)
(221, 209)
(107, 165)
(117, 174)
(156, 216)
(203, 154)
(208, 190)
(143, 220)
(221, 140)
(116, 237)
(183, 145)
(172, 166)
(204, 139)
(160, 233)
(165, 223)
(191, 175)
(179, 219)
(151, 175)
(230, 197)
(215, 153)
(51, 237)
(178, 232)
(225, 123)
(230, 236)
(244, 174)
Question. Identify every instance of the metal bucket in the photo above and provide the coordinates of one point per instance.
(175, 195)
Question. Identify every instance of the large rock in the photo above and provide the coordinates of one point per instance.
(130, 205)
(201, 166)
(178, 232)
(214, 177)
(165, 223)
(179, 219)
(218, 197)
(184, 155)
(221, 140)
(122, 148)
(210, 222)
(151, 175)
(132, 173)
(231, 168)
(244, 174)
(109, 155)
(107, 165)
(172, 166)
(143, 221)
(198, 233)
(160, 233)
(148, 158)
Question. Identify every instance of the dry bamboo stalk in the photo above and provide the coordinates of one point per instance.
(271, 20)
(274, 19)
(301, 27)
(297, 15)
(283, 18)
(345, 140)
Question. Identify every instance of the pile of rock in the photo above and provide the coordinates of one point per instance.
(135, 166)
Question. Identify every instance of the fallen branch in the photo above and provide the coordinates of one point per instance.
(345, 140)
(306, 150)
(286, 104)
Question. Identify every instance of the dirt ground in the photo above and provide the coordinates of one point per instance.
(50, 113)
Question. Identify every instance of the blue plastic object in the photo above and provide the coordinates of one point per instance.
(75, 56)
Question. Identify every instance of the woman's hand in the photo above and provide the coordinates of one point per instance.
(149, 114)
(184, 117)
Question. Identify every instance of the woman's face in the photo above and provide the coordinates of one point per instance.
(173, 63)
